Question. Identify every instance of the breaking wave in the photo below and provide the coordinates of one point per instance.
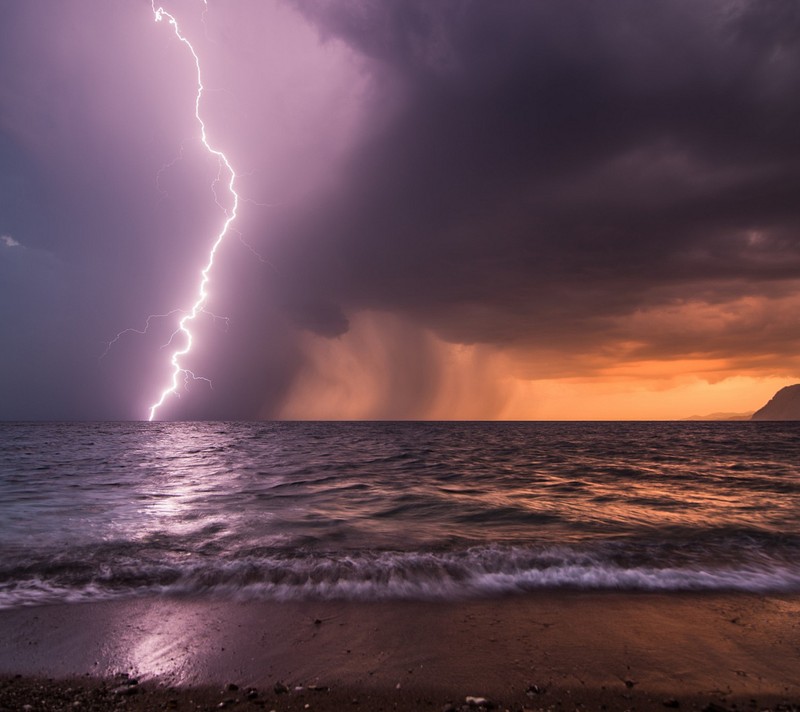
(374, 576)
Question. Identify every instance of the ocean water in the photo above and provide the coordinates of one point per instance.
(370, 511)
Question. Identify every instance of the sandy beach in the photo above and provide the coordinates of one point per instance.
(553, 650)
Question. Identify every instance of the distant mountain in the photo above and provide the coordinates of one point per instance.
(721, 416)
(785, 405)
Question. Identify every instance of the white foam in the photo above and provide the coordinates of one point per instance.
(481, 571)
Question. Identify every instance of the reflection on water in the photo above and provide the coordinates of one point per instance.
(288, 507)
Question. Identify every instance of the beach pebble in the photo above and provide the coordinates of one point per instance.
(231, 687)
(125, 690)
(714, 707)
(479, 702)
(280, 688)
(449, 707)
(252, 693)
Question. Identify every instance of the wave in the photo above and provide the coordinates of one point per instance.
(390, 575)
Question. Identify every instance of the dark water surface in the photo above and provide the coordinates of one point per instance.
(395, 510)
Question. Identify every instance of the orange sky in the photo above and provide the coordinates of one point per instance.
(387, 368)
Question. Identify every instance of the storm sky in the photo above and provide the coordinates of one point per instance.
(450, 209)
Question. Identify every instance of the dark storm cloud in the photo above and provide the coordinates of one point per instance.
(545, 167)
(573, 180)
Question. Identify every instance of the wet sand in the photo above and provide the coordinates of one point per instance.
(550, 650)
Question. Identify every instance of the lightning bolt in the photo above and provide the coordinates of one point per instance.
(225, 169)
(150, 319)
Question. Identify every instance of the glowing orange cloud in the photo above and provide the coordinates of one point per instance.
(386, 367)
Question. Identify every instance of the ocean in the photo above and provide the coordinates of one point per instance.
(395, 510)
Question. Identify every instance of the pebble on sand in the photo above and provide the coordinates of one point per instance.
(479, 702)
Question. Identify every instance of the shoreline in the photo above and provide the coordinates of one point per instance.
(35, 694)
(554, 649)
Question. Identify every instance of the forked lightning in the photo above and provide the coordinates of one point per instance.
(179, 372)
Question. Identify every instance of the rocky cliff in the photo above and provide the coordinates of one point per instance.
(785, 405)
